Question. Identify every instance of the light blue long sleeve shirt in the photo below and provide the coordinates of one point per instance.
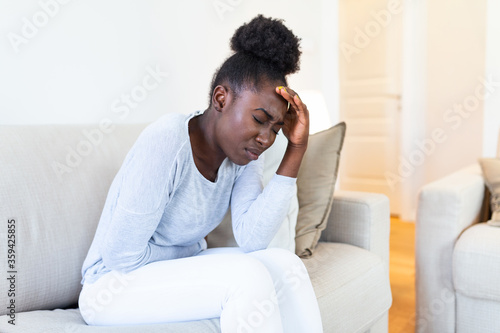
(160, 207)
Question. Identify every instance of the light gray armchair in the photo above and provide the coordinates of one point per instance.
(457, 257)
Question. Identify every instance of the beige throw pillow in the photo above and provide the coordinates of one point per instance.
(315, 186)
(491, 172)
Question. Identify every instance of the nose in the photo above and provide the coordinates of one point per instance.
(266, 138)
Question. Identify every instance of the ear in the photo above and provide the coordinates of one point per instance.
(219, 98)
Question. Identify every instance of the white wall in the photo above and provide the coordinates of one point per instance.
(83, 61)
(492, 104)
(444, 94)
(456, 44)
(414, 104)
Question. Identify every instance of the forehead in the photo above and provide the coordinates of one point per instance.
(266, 98)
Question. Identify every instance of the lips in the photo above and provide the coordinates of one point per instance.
(253, 153)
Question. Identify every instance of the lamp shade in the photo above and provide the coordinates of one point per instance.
(319, 117)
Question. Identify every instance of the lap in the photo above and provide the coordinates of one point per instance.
(183, 289)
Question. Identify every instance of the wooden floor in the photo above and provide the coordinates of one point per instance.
(402, 275)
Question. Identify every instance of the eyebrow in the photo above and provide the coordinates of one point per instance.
(269, 115)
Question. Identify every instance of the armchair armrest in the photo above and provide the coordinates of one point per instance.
(446, 207)
(361, 219)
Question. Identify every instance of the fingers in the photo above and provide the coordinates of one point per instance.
(292, 98)
(287, 93)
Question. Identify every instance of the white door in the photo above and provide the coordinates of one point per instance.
(370, 96)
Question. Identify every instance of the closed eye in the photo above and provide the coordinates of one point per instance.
(257, 120)
(262, 123)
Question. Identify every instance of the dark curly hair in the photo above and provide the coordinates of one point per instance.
(265, 50)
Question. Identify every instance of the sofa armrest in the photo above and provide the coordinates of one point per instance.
(361, 219)
(446, 207)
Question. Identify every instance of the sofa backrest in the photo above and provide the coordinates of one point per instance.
(53, 184)
(54, 180)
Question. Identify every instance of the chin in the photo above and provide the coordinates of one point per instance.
(239, 159)
(240, 162)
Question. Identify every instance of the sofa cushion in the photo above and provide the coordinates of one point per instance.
(476, 262)
(491, 172)
(51, 189)
(351, 285)
(315, 186)
(223, 236)
(70, 321)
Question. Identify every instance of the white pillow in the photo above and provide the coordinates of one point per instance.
(498, 146)
(285, 237)
(222, 236)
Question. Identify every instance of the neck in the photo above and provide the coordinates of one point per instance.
(208, 155)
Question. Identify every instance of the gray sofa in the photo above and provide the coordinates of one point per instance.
(53, 183)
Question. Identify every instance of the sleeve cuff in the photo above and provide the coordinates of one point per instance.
(284, 180)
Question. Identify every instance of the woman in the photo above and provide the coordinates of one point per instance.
(148, 262)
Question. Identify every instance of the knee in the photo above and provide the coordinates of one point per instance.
(288, 268)
(250, 273)
(282, 255)
(285, 260)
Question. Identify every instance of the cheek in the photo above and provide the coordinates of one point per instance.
(231, 136)
(242, 129)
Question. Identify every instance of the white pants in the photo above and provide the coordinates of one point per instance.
(262, 291)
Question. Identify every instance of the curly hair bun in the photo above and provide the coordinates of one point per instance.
(270, 40)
